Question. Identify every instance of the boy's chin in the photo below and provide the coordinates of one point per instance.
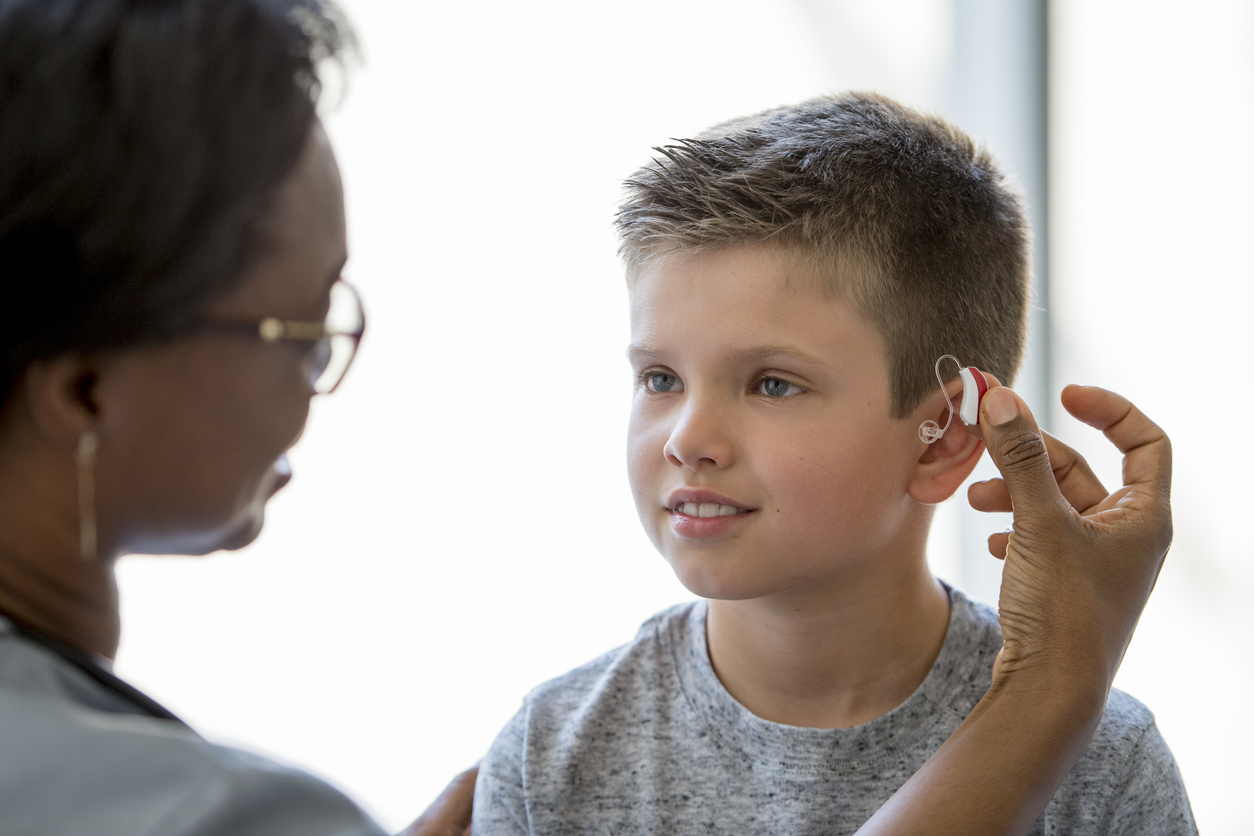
(719, 581)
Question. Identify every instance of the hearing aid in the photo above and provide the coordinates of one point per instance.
(974, 388)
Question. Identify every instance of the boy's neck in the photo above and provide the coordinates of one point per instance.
(830, 657)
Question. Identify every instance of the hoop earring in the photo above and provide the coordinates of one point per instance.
(85, 458)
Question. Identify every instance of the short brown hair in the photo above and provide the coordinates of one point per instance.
(900, 213)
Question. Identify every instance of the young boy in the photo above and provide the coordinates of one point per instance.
(794, 277)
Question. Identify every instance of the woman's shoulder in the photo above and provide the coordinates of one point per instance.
(35, 670)
(132, 773)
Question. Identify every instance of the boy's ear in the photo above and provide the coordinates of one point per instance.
(946, 463)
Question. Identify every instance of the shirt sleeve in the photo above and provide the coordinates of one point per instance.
(1149, 797)
(500, 793)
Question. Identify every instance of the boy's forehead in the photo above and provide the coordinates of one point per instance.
(733, 274)
(751, 299)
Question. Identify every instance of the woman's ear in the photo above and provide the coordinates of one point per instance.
(59, 396)
(947, 462)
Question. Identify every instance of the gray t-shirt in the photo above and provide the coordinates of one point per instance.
(646, 740)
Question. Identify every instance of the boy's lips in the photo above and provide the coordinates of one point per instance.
(677, 501)
(702, 513)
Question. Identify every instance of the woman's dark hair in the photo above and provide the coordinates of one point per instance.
(140, 143)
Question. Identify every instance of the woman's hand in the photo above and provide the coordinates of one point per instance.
(448, 815)
(1080, 565)
(1080, 561)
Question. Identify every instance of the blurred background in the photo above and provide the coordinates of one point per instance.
(460, 528)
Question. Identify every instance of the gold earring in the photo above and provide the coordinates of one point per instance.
(85, 457)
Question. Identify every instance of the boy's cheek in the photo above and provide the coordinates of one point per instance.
(828, 484)
(646, 442)
(642, 476)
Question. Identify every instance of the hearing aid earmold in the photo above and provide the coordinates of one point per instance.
(974, 387)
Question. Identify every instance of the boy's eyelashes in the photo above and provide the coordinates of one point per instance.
(769, 386)
(777, 388)
(659, 382)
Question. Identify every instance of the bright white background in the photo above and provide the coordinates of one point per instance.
(460, 527)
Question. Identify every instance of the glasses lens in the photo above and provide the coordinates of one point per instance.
(339, 349)
(318, 361)
(346, 321)
(345, 315)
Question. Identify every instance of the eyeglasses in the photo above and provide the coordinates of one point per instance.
(333, 342)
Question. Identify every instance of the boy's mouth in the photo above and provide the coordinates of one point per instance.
(708, 509)
(703, 503)
(704, 515)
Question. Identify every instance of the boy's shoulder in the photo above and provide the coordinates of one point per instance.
(1126, 781)
(1128, 765)
(629, 672)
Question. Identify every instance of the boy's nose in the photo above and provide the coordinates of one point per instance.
(699, 438)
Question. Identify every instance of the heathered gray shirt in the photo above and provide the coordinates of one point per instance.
(646, 740)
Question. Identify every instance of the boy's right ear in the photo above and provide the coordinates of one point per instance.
(946, 463)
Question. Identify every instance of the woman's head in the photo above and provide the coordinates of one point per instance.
(140, 143)
(161, 164)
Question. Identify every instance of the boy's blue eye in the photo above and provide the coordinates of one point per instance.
(773, 387)
(661, 382)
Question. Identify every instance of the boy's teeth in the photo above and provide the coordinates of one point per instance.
(708, 509)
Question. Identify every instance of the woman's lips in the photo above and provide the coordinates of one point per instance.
(282, 474)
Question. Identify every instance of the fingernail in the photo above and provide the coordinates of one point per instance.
(1001, 407)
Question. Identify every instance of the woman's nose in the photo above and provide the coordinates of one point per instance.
(700, 437)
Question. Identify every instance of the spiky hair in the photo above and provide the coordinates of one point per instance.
(899, 212)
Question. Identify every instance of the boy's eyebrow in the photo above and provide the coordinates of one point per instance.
(642, 350)
(754, 354)
(770, 352)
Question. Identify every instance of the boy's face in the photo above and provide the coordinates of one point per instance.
(761, 452)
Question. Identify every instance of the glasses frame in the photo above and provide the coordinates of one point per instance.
(273, 330)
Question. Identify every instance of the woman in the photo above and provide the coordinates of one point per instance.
(171, 241)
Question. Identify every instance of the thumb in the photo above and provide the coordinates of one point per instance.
(1017, 447)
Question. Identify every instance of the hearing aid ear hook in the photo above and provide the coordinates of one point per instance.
(974, 386)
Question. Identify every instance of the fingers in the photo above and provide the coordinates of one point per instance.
(1145, 447)
(990, 496)
(1077, 481)
(448, 815)
(998, 543)
(1017, 447)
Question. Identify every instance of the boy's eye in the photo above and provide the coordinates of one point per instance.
(661, 382)
(774, 387)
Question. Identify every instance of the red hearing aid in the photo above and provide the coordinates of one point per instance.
(974, 387)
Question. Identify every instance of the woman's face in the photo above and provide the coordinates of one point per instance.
(193, 433)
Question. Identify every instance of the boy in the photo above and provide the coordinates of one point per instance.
(794, 276)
